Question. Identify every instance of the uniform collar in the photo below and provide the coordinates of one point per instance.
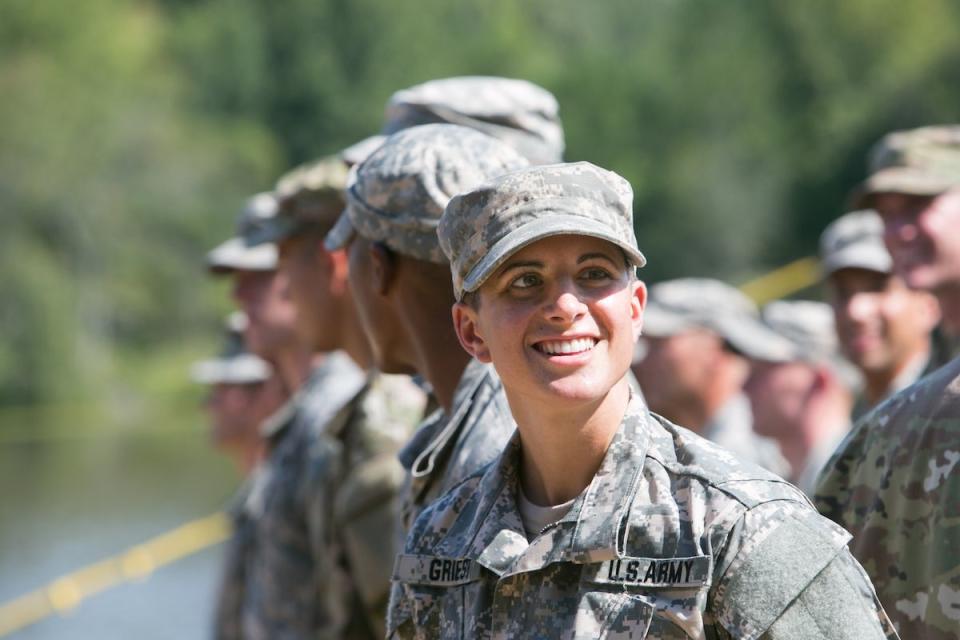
(420, 455)
(490, 531)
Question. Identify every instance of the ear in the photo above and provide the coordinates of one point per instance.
(638, 302)
(339, 269)
(383, 267)
(465, 324)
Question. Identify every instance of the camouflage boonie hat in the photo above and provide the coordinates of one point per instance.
(811, 328)
(855, 241)
(310, 195)
(481, 229)
(245, 251)
(397, 195)
(520, 113)
(235, 364)
(924, 162)
(685, 304)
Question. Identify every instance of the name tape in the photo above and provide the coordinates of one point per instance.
(651, 572)
(435, 571)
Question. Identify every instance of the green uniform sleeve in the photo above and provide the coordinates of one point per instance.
(784, 565)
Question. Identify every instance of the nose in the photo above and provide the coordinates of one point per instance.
(566, 305)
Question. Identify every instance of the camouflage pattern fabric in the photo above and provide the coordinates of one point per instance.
(923, 161)
(518, 112)
(895, 485)
(246, 250)
(228, 613)
(484, 227)
(397, 195)
(447, 449)
(674, 538)
(324, 507)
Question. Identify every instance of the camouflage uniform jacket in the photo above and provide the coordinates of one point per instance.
(674, 538)
(321, 503)
(448, 449)
(732, 428)
(895, 484)
(229, 607)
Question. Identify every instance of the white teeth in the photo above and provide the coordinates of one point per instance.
(563, 347)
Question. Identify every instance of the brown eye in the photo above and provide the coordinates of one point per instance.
(526, 281)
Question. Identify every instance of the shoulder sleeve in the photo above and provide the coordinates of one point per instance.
(782, 559)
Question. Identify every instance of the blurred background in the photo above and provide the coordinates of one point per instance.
(132, 131)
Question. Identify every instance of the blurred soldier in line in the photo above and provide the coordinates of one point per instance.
(330, 504)
(895, 482)
(802, 397)
(401, 282)
(273, 599)
(517, 112)
(883, 326)
(691, 366)
(244, 391)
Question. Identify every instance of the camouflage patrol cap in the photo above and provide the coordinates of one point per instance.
(482, 228)
(520, 113)
(246, 251)
(855, 241)
(685, 304)
(310, 195)
(397, 195)
(924, 161)
(235, 364)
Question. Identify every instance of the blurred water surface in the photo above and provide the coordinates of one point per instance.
(75, 499)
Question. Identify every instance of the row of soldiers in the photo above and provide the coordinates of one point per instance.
(346, 274)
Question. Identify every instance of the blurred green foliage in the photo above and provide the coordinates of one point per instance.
(131, 132)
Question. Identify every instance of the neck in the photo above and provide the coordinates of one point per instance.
(293, 367)
(436, 352)
(949, 299)
(561, 446)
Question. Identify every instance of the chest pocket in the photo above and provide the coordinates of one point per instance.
(612, 615)
(441, 593)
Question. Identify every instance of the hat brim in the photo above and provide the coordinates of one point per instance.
(538, 229)
(659, 322)
(236, 255)
(340, 235)
(357, 153)
(752, 338)
(244, 369)
(869, 258)
(901, 180)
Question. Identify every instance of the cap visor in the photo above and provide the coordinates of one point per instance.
(901, 180)
(870, 258)
(235, 254)
(246, 369)
(357, 153)
(553, 225)
(756, 340)
(339, 236)
(660, 323)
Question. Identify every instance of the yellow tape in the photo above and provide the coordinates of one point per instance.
(785, 281)
(63, 595)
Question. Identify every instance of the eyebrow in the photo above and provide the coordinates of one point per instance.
(594, 255)
(521, 265)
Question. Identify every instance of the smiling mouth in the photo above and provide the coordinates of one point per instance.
(565, 347)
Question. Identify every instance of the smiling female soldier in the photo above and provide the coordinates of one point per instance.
(600, 519)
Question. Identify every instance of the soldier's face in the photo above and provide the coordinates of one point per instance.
(558, 320)
(315, 289)
(881, 324)
(372, 289)
(265, 297)
(779, 395)
(923, 236)
(237, 410)
(676, 369)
